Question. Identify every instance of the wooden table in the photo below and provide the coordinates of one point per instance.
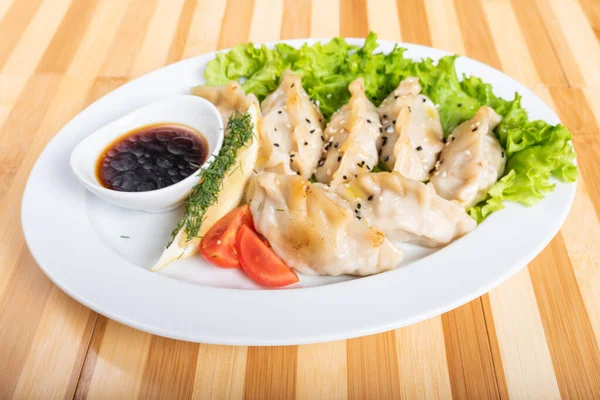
(535, 336)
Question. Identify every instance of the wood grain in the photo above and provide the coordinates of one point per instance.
(535, 336)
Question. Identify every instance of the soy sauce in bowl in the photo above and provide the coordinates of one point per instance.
(151, 157)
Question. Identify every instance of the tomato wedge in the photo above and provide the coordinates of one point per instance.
(260, 262)
(218, 244)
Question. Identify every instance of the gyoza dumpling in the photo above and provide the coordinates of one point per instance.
(291, 132)
(472, 160)
(351, 138)
(314, 231)
(412, 134)
(406, 210)
(227, 99)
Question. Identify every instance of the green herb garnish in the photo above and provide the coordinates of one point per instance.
(206, 192)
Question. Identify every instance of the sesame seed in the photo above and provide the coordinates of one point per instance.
(275, 129)
(298, 172)
(386, 158)
(336, 145)
(345, 177)
(279, 112)
(307, 120)
(384, 115)
(380, 129)
(419, 148)
(370, 198)
(292, 85)
(313, 131)
(502, 154)
(424, 100)
(306, 143)
(453, 138)
(322, 138)
(339, 158)
(431, 170)
(357, 212)
(358, 206)
(395, 97)
(292, 155)
(474, 129)
(358, 217)
(394, 122)
(276, 144)
(368, 121)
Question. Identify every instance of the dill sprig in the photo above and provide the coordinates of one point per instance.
(206, 192)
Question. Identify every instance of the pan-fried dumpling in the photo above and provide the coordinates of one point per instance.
(314, 231)
(227, 99)
(472, 160)
(412, 134)
(406, 210)
(292, 130)
(350, 138)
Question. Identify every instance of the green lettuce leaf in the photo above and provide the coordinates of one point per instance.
(535, 150)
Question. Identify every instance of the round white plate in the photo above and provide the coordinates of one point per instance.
(99, 254)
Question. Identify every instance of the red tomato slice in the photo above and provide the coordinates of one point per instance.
(260, 262)
(218, 244)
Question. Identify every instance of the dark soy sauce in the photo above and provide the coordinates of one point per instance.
(151, 157)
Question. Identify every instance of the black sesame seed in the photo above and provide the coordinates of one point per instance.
(379, 152)
(307, 120)
(298, 172)
(358, 217)
(460, 104)
(292, 85)
(419, 148)
(313, 131)
(357, 212)
(275, 129)
(368, 121)
(322, 138)
(502, 154)
(453, 138)
(292, 155)
(306, 143)
(363, 162)
(380, 129)
(279, 112)
(384, 115)
(370, 198)
(358, 165)
(474, 129)
(424, 100)
(336, 145)
(431, 170)
(394, 122)
(276, 144)
(358, 206)
(356, 175)
(395, 97)
(345, 177)
(386, 158)
(339, 158)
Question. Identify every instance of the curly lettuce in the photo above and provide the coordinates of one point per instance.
(535, 150)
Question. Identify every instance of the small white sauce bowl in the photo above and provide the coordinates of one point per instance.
(192, 111)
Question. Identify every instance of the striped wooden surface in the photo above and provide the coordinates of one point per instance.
(535, 336)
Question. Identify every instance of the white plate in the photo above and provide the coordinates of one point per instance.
(76, 239)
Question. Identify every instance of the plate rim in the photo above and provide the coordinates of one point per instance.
(303, 338)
